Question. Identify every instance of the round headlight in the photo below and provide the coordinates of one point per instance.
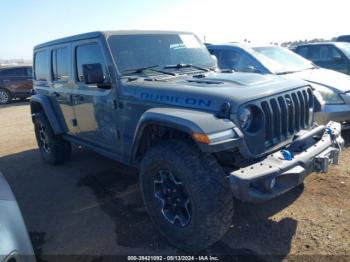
(245, 117)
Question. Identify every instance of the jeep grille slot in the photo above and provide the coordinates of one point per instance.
(286, 114)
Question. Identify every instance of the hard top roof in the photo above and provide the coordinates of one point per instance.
(105, 34)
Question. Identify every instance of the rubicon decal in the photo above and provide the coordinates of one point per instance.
(180, 100)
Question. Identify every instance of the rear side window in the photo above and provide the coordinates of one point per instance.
(41, 66)
(19, 72)
(60, 64)
(88, 54)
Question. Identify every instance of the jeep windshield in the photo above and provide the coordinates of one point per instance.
(280, 60)
(181, 52)
(345, 47)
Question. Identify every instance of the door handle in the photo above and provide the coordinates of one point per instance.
(5, 80)
(55, 94)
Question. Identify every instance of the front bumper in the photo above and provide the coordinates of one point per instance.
(275, 175)
(337, 113)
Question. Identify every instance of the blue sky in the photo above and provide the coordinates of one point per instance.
(25, 23)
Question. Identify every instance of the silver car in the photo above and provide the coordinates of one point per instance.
(333, 87)
(15, 244)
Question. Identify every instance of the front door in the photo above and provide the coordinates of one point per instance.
(328, 56)
(94, 105)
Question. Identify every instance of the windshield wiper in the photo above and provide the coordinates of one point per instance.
(142, 69)
(286, 72)
(179, 66)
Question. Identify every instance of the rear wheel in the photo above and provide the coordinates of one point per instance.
(186, 195)
(53, 149)
(5, 96)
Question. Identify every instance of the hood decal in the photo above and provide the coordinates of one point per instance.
(176, 100)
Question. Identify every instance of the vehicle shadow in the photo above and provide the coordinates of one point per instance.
(253, 234)
(346, 136)
(45, 195)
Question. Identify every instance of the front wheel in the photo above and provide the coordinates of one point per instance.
(186, 195)
(5, 96)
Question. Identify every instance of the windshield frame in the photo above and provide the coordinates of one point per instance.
(202, 58)
(279, 67)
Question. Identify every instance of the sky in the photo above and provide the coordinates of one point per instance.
(25, 23)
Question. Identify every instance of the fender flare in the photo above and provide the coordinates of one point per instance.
(188, 121)
(48, 109)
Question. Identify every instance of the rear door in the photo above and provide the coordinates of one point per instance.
(25, 81)
(50, 81)
(62, 84)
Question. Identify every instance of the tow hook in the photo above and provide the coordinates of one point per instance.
(287, 155)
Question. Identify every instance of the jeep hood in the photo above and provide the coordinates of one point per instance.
(210, 91)
(324, 77)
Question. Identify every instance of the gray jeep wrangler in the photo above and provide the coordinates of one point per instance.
(200, 137)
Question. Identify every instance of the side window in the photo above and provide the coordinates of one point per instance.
(22, 72)
(229, 59)
(315, 53)
(324, 53)
(335, 54)
(41, 66)
(14, 72)
(235, 60)
(60, 64)
(88, 54)
(303, 51)
(7, 72)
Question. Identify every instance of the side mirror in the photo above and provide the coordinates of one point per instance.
(93, 74)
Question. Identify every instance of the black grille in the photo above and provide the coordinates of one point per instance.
(286, 114)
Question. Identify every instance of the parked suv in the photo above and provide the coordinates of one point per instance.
(331, 55)
(152, 100)
(343, 38)
(15, 82)
(333, 87)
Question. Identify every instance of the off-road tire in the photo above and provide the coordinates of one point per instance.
(59, 149)
(207, 188)
(8, 94)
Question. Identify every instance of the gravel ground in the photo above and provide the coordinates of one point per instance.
(92, 206)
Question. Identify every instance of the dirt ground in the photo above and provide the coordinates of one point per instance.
(92, 206)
